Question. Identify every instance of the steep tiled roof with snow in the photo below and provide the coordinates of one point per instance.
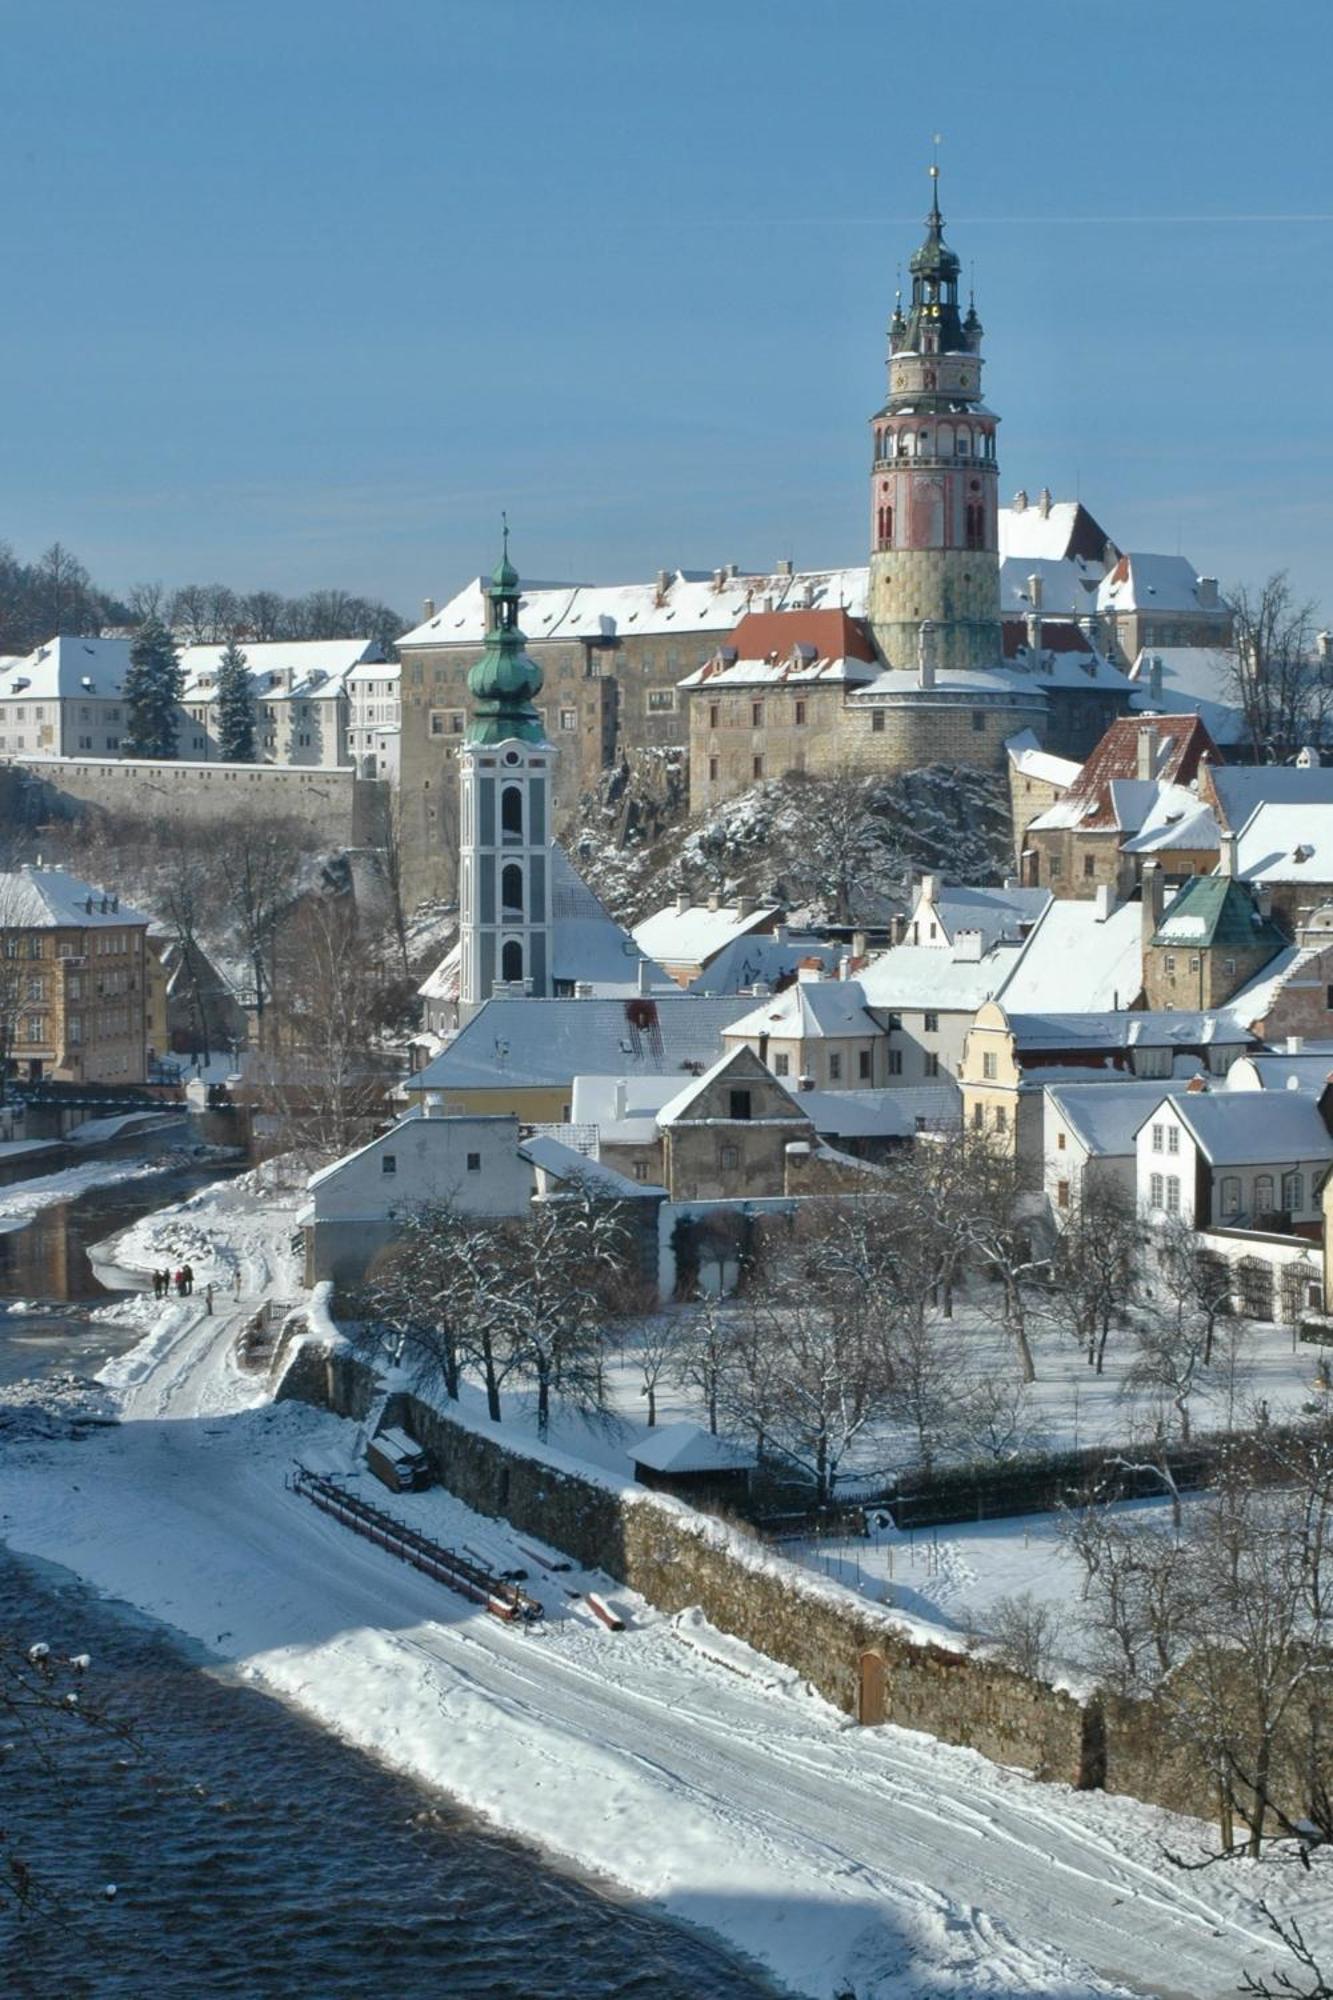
(992, 913)
(1152, 583)
(917, 976)
(1288, 844)
(1068, 586)
(1191, 677)
(812, 1009)
(1240, 788)
(1247, 1128)
(693, 936)
(65, 668)
(743, 1064)
(1177, 819)
(281, 669)
(1030, 761)
(754, 960)
(1076, 960)
(1215, 910)
(1051, 531)
(1178, 744)
(49, 899)
(1106, 1116)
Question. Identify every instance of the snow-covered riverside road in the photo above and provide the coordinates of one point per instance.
(878, 1861)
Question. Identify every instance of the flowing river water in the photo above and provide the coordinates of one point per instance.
(254, 1854)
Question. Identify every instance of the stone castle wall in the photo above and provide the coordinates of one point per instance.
(342, 809)
(958, 588)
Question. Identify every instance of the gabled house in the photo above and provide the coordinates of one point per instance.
(819, 1031)
(1074, 847)
(1235, 1160)
(1089, 1135)
(1285, 851)
(726, 1134)
(1207, 943)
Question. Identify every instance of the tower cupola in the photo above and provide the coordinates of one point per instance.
(505, 680)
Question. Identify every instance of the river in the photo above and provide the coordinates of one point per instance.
(253, 1853)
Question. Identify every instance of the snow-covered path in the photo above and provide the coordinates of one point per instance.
(879, 1860)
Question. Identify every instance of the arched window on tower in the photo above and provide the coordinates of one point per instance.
(976, 525)
(511, 959)
(511, 813)
(511, 889)
(884, 527)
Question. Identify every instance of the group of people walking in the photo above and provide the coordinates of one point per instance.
(181, 1282)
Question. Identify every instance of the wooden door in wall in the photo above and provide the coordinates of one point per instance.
(871, 1693)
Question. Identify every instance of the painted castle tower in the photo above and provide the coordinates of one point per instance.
(505, 769)
(934, 595)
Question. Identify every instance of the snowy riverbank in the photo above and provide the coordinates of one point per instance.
(876, 1862)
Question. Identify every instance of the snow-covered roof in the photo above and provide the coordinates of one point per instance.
(695, 935)
(993, 913)
(280, 669)
(1241, 788)
(513, 1042)
(623, 1108)
(897, 683)
(1256, 1000)
(1076, 961)
(754, 960)
(1192, 677)
(379, 673)
(883, 1114)
(565, 1163)
(703, 601)
(1068, 586)
(923, 976)
(1248, 1128)
(1177, 818)
(1047, 530)
(1139, 582)
(47, 898)
(812, 1009)
(687, 1447)
(66, 668)
(1031, 761)
(1287, 843)
(1104, 1117)
(1307, 1069)
(779, 673)
(1122, 1029)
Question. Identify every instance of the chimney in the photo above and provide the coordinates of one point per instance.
(1034, 591)
(1020, 501)
(1295, 1043)
(1103, 902)
(719, 578)
(1012, 882)
(583, 989)
(427, 607)
(808, 974)
(785, 566)
(1044, 503)
(714, 901)
(643, 975)
(745, 906)
(1151, 915)
(858, 944)
(1307, 759)
(622, 1098)
(1146, 751)
(1155, 680)
(1197, 1083)
(1208, 593)
(432, 1104)
(1227, 859)
(967, 947)
(663, 582)
(682, 903)
(925, 665)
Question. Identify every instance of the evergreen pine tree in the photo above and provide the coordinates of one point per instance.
(234, 708)
(153, 684)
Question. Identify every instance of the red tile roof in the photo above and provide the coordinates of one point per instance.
(835, 635)
(1181, 745)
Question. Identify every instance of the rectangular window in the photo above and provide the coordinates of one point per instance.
(931, 1024)
(835, 1068)
(740, 1103)
(800, 715)
(1169, 962)
(730, 1158)
(1155, 1190)
(990, 1066)
(713, 769)
(979, 721)
(714, 714)
(1059, 1142)
(1001, 1118)
(895, 1062)
(389, 1163)
(661, 701)
(641, 1170)
(75, 1029)
(863, 1065)
(1089, 866)
(757, 767)
(782, 1065)
(1054, 867)
(932, 1065)
(978, 1117)
(877, 721)
(1157, 1131)
(1172, 1195)
(756, 715)
(1173, 1138)
(1293, 1192)
(569, 718)
(1062, 1194)
(474, 1163)
(1194, 962)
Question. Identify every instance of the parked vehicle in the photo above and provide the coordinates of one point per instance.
(398, 1461)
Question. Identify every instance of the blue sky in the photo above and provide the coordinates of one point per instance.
(302, 295)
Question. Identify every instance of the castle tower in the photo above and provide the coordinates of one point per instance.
(934, 484)
(505, 769)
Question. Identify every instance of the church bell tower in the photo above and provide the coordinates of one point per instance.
(505, 771)
(934, 554)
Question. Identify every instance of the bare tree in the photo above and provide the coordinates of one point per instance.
(568, 1270)
(1169, 1365)
(1023, 1631)
(1313, 1983)
(659, 1340)
(1094, 1262)
(845, 856)
(709, 1335)
(1276, 678)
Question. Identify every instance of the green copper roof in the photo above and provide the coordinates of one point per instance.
(1217, 910)
(504, 680)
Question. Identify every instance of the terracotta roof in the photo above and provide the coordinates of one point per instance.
(834, 634)
(1181, 745)
(1057, 636)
